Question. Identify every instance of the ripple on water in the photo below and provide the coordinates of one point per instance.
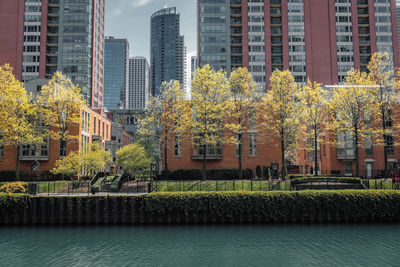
(240, 245)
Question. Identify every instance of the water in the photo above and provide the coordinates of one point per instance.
(269, 245)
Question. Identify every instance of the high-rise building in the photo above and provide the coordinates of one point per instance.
(139, 89)
(318, 39)
(193, 64)
(398, 20)
(116, 71)
(167, 55)
(43, 36)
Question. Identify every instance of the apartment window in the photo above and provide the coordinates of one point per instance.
(252, 117)
(44, 147)
(99, 126)
(178, 146)
(368, 145)
(348, 168)
(103, 130)
(94, 125)
(324, 146)
(1, 151)
(389, 145)
(239, 138)
(253, 145)
(63, 148)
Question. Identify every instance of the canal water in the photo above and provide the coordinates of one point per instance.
(215, 245)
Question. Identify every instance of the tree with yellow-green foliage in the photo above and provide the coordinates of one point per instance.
(62, 103)
(133, 157)
(353, 110)
(18, 114)
(280, 114)
(95, 159)
(208, 115)
(382, 74)
(163, 116)
(69, 166)
(244, 94)
(313, 115)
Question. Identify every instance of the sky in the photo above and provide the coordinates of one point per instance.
(131, 19)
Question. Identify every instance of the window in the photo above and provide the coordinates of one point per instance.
(348, 168)
(178, 146)
(239, 138)
(389, 141)
(253, 145)
(324, 146)
(1, 150)
(63, 148)
(94, 125)
(368, 145)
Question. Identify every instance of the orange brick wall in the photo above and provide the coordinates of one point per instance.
(267, 153)
(9, 161)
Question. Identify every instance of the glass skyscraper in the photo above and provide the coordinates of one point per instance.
(167, 49)
(116, 66)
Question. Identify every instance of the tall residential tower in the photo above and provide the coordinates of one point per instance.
(319, 39)
(167, 55)
(139, 89)
(116, 70)
(43, 36)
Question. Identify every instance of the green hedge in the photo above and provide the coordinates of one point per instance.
(320, 179)
(212, 174)
(217, 207)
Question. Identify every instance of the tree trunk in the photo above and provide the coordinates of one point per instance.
(240, 157)
(385, 154)
(357, 153)
(315, 152)
(204, 162)
(283, 170)
(18, 163)
(165, 156)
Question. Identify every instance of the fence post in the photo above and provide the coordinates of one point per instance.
(216, 185)
(234, 185)
(48, 188)
(251, 184)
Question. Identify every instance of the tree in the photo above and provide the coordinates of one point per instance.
(163, 116)
(133, 157)
(313, 107)
(244, 94)
(353, 110)
(62, 102)
(382, 74)
(205, 121)
(69, 165)
(18, 114)
(280, 114)
(95, 159)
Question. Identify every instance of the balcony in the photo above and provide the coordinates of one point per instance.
(346, 154)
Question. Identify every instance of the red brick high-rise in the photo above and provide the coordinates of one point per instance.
(316, 39)
(43, 36)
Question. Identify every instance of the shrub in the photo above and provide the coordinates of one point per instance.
(116, 184)
(266, 172)
(248, 173)
(258, 171)
(315, 179)
(98, 184)
(15, 187)
(185, 174)
(223, 174)
(109, 179)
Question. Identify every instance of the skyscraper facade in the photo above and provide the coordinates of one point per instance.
(40, 37)
(167, 54)
(316, 39)
(398, 19)
(139, 89)
(193, 64)
(116, 70)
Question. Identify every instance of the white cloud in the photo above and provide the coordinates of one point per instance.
(139, 3)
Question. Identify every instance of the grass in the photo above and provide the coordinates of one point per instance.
(52, 186)
(234, 185)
